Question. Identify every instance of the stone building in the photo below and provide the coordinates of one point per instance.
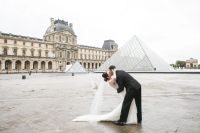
(52, 53)
(192, 63)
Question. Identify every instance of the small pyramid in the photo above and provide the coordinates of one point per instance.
(75, 68)
(67, 67)
(135, 56)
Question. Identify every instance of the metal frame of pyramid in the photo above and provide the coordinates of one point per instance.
(135, 56)
(75, 68)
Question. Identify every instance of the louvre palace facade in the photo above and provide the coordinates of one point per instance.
(57, 49)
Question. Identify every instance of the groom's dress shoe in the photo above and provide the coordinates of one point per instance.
(119, 123)
(139, 118)
(139, 121)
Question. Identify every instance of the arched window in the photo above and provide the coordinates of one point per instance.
(49, 65)
(18, 65)
(43, 65)
(27, 65)
(84, 64)
(35, 65)
(8, 65)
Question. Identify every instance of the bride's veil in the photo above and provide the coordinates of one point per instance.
(97, 102)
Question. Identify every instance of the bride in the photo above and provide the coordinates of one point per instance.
(114, 115)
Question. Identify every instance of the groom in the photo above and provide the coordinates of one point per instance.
(133, 90)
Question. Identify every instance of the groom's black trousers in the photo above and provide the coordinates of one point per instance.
(127, 103)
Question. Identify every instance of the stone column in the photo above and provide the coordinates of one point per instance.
(13, 65)
(0, 65)
(57, 65)
(31, 65)
(23, 64)
(39, 65)
(46, 65)
(90, 65)
(86, 65)
(53, 65)
(3, 65)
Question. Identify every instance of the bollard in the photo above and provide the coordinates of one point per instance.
(23, 76)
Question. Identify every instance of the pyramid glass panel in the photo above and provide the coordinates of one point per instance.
(135, 56)
(76, 68)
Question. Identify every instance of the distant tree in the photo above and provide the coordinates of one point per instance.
(181, 64)
(173, 65)
(199, 66)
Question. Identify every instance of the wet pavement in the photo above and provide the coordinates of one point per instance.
(46, 103)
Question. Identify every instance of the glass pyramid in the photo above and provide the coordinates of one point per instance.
(135, 56)
(75, 68)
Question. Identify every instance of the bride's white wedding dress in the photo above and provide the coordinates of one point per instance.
(114, 115)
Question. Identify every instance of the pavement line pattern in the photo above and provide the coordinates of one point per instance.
(172, 94)
(149, 95)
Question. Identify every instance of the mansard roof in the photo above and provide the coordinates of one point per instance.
(59, 26)
(20, 36)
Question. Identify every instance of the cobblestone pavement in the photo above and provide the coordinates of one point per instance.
(46, 103)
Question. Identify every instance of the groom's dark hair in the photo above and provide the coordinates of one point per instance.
(112, 67)
(105, 76)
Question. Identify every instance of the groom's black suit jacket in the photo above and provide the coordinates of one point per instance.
(124, 79)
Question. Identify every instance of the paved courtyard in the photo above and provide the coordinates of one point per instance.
(46, 103)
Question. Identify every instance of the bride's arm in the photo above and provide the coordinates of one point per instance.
(114, 74)
(112, 83)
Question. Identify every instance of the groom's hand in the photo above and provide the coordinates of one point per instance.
(119, 90)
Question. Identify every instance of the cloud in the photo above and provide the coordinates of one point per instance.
(170, 28)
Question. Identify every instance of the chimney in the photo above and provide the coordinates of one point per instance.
(70, 25)
(52, 21)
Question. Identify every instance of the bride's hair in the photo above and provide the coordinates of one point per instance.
(105, 76)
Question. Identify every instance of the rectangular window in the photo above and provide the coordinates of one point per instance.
(59, 38)
(24, 52)
(46, 46)
(80, 56)
(15, 42)
(32, 44)
(66, 39)
(24, 43)
(5, 40)
(39, 53)
(46, 53)
(63, 39)
(39, 45)
(32, 53)
(15, 51)
(5, 51)
(68, 54)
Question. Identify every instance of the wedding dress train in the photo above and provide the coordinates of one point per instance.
(114, 115)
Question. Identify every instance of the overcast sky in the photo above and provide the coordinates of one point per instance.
(171, 28)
